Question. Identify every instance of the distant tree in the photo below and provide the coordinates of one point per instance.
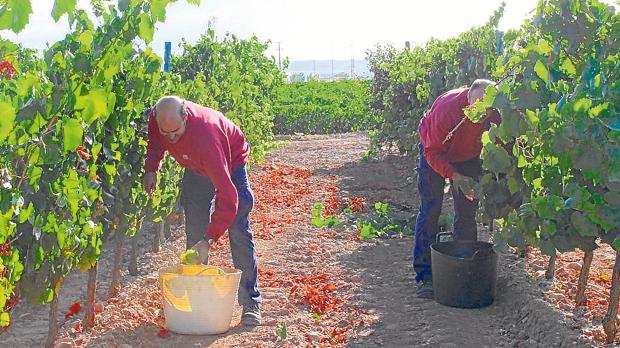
(297, 77)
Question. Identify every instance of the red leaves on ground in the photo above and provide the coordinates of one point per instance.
(563, 291)
(357, 204)
(281, 194)
(73, 310)
(314, 248)
(99, 308)
(78, 328)
(313, 291)
(163, 332)
(337, 336)
(332, 205)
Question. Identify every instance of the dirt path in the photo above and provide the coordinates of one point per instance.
(361, 292)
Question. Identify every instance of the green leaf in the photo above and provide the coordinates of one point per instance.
(521, 161)
(25, 87)
(283, 331)
(544, 47)
(146, 28)
(72, 134)
(14, 14)
(616, 244)
(123, 4)
(531, 115)
(34, 174)
(5, 319)
(496, 159)
(47, 296)
(61, 7)
(485, 139)
(513, 185)
(86, 38)
(582, 105)
(568, 67)
(93, 105)
(584, 227)
(39, 256)
(7, 120)
(596, 111)
(318, 222)
(541, 70)
(24, 214)
(158, 10)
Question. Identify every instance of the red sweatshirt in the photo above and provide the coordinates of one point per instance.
(445, 113)
(212, 146)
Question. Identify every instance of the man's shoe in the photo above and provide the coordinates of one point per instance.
(251, 315)
(425, 290)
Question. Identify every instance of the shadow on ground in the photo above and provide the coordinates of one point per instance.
(519, 317)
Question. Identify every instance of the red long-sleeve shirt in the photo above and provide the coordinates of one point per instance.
(212, 146)
(445, 113)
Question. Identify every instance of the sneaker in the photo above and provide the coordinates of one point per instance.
(425, 290)
(251, 315)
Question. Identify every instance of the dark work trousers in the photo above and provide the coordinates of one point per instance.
(431, 190)
(197, 193)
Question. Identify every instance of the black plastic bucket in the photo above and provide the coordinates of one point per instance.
(464, 273)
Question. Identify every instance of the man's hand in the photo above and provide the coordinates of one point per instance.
(149, 182)
(202, 248)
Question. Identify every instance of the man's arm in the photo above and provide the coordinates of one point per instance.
(216, 163)
(154, 148)
(436, 158)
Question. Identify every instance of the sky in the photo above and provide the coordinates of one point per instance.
(304, 29)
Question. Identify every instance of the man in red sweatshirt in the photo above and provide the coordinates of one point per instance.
(214, 152)
(449, 148)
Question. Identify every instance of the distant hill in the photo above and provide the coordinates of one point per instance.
(324, 67)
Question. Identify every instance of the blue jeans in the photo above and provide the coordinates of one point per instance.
(430, 189)
(197, 193)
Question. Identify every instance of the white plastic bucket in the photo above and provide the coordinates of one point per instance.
(198, 300)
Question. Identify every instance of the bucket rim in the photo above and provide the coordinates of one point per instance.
(489, 256)
(168, 270)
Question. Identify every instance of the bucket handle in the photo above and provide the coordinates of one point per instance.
(440, 234)
(480, 253)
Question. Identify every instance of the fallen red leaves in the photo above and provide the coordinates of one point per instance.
(284, 197)
(163, 332)
(281, 199)
(78, 328)
(314, 291)
(73, 310)
(563, 291)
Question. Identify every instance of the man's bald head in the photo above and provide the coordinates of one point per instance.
(170, 115)
(169, 106)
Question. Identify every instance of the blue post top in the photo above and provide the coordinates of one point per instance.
(167, 53)
(500, 42)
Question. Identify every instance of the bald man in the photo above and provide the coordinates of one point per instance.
(214, 152)
(450, 146)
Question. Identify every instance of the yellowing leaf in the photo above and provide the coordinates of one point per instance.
(7, 120)
(147, 29)
(604, 277)
(93, 105)
(541, 71)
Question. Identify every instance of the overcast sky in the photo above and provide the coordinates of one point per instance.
(316, 29)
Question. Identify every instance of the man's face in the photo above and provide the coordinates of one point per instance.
(172, 127)
(475, 95)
